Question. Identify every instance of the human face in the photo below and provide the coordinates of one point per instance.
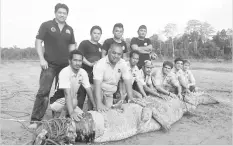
(179, 65)
(95, 35)
(76, 62)
(134, 59)
(147, 70)
(61, 15)
(186, 66)
(115, 54)
(118, 32)
(166, 69)
(142, 33)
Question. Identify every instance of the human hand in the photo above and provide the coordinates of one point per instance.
(153, 56)
(43, 64)
(76, 116)
(180, 97)
(102, 108)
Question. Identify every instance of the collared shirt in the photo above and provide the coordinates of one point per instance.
(109, 76)
(135, 74)
(67, 78)
(146, 78)
(189, 78)
(56, 42)
(166, 81)
(178, 73)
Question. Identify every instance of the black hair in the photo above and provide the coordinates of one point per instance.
(178, 59)
(96, 27)
(169, 63)
(186, 61)
(142, 27)
(120, 25)
(133, 52)
(59, 5)
(75, 52)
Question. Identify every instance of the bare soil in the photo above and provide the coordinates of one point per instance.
(211, 124)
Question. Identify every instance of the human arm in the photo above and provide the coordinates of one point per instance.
(143, 49)
(98, 74)
(141, 89)
(71, 103)
(90, 95)
(40, 52)
(191, 79)
(88, 63)
(72, 42)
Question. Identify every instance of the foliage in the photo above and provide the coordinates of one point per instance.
(198, 41)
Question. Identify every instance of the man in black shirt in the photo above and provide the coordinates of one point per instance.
(58, 38)
(142, 44)
(118, 31)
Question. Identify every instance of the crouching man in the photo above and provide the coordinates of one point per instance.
(166, 82)
(70, 79)
(107, 73)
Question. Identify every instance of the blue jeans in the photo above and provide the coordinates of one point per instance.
(42, 98)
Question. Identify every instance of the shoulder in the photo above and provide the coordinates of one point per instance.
(84, 42)
(65, 71)
(69, 27)
(134, 38)
(100, 62)
(47, 23)
(109, 40)
(83, 72)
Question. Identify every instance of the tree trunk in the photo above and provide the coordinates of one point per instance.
(173, 53)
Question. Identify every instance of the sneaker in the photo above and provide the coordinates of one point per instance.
(33, 126)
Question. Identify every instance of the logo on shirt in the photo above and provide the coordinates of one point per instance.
(119, 70)
(145, 44)
(53, 29)
(68, 31)
(123, 48)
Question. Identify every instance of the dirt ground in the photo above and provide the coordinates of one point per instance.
(212, 124)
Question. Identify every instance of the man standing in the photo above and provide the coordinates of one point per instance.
(107, 73)
(117, 31)
(70, 79)
(58, 38)
(142, 44)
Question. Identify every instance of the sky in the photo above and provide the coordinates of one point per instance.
(21, 19)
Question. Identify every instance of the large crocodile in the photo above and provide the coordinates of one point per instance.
(145, 115)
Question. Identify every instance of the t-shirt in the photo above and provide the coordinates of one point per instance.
(56, 42)
(92, 52)
(107, 43)
(140, 43)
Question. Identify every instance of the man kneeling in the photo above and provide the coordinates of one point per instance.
(107, 73)
(70, 79)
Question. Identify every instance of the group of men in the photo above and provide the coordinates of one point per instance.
(100, 71)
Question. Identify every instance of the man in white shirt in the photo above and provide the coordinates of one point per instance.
(107, 73)
(70, 79)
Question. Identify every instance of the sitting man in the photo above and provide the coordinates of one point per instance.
(165, 81)
(107, 73)
(189, 78)
(70, 79)
(137, 82)
(179, 74)
(146, 76)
